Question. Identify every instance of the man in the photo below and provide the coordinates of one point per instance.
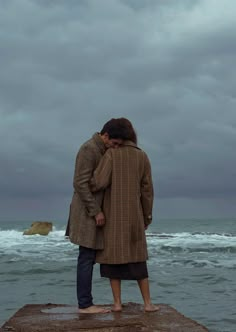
(86, 217)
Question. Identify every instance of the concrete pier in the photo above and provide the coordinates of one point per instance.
(65, 318)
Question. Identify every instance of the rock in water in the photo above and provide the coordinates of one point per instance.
(39, 227)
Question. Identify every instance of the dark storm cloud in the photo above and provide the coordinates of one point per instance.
(68, 67)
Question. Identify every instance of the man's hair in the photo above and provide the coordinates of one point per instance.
(120, 128)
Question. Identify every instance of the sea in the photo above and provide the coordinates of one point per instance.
(192, 267)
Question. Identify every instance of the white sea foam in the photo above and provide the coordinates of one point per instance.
(55, 247)
(10, 238)
(189, 241)
(13, 238)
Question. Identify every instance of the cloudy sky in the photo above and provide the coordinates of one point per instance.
(69, 66)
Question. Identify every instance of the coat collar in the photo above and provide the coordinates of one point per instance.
(130, 143)
(99, 143)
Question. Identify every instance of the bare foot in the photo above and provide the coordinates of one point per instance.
(117, 308)
(151, 308)
(94, 309)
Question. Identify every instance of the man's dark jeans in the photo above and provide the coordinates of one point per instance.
(86, 260)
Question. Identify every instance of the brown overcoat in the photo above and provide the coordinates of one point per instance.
(85, 204)
(126, 174)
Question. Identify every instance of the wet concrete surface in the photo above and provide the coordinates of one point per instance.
(60, 318)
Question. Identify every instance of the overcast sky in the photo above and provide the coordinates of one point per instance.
(67, 67)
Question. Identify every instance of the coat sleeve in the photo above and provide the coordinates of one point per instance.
(102, 175)
(84, 167)
(147, 192)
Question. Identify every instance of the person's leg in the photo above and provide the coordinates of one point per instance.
(144, 288)
(85, 264)
(86, 260)
(116, 292)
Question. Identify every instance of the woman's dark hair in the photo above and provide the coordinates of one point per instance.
(120, 128)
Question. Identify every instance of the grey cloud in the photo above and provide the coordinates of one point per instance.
(68, 67)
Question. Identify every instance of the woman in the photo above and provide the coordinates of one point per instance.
(125, 174)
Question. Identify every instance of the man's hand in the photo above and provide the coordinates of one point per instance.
(100, 219)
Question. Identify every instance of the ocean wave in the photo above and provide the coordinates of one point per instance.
(16, 247)
(193, 250)
(192, 242)
(191, 262)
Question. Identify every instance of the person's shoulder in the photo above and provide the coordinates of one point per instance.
(143, 154)
(89, 144)
(86, 148)
(109, 152)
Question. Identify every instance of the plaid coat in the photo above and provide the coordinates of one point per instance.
(85, 204)
(126, 174)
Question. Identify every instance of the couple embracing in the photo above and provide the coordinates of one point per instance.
(110, 210)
